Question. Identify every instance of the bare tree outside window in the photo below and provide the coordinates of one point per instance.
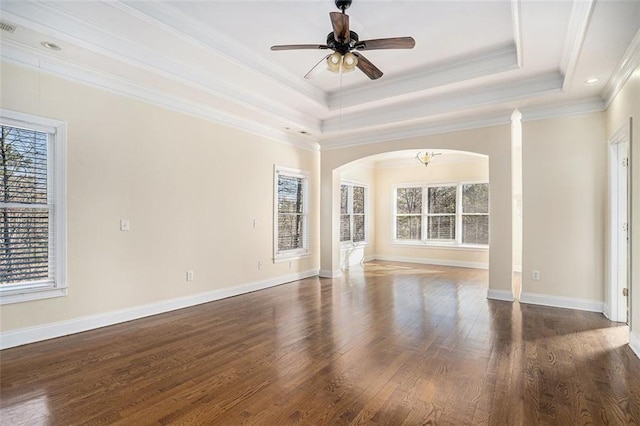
(441, 215)
(409, 213)
(291, 213)
(24, 210)
(475, 213)
(352, 213)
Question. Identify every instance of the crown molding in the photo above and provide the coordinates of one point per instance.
(66, 27)
(477, 65)
(456, 101)
(436, 128)
(29, 57)
(582, 106)
(574, 39)
(516, 23)
(497, 118)
(193, 31)
(629, 62)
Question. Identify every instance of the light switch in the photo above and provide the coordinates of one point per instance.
(124, 225)
(255, 223)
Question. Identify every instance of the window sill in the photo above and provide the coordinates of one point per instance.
(285, 257)
(436, 245)
(349, 245)
(28, 295)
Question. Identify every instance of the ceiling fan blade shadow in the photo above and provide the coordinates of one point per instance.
(367, 67)
(340, 22)
(299, 46)
(316, 69)
(386, 43)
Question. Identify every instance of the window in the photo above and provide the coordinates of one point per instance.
(475, 213)
(409, 213)
(291, 210)
(441, 213)
(32, 211)
(352, 213)
(455, 214)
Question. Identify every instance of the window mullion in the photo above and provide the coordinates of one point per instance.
(458, 230)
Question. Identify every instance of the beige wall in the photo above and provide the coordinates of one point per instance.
(475, 169)
(492, 141)
(564, 182)
(190, 188)
(627, 104)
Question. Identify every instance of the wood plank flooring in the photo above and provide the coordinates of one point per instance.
(389, 344)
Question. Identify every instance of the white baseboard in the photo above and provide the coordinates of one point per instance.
(57, 329)
(325, 273)
(439, 262)
(606, 310)
(562, 302)
(634, 343)
(369, 258)
(505, 295)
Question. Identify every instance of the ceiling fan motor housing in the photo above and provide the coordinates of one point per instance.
(343, 4)
(339, 47)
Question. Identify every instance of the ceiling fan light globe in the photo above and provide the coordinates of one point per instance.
(349, 62)
(334, 62)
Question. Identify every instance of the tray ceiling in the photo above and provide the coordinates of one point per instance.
(474, 61)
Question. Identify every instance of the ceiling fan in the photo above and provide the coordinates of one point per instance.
(346, 46)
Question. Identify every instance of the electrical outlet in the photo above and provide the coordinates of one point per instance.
(255, 223)
(259, 264)
(535, 275)
(125, 225)
(189, 275)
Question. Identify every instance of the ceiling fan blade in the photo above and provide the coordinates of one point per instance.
(386, 43)
(299, 46)
(367, 67)
(340, 22)
(313, 72)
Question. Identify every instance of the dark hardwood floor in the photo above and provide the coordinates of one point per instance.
(388, 345)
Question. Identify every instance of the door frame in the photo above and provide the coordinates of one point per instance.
(619, 149)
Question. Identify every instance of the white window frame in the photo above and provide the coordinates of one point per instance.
(350, 185)
(286, 255)
(56, 285)
(424, 241)
(462, 213)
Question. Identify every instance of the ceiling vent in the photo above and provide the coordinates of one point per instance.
(5, 26)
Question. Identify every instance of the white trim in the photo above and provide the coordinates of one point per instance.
(618, 248)
(504, 295)
(479, 64)
(606, 311)
(463, 99)
(363, 137)
(196, 33)
(427, 261)
(574, 39)
(30, 58)
(56, 198)
(634, 343)
(629, 62)
(325, 273)
(305, 251)
(516, 24)
(57, 329)
(369, 258)
(66, 26)
(562, 302)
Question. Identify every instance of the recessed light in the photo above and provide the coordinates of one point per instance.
(591, 80)
(51, 46)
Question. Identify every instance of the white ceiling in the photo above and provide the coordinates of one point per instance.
(474, 61)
